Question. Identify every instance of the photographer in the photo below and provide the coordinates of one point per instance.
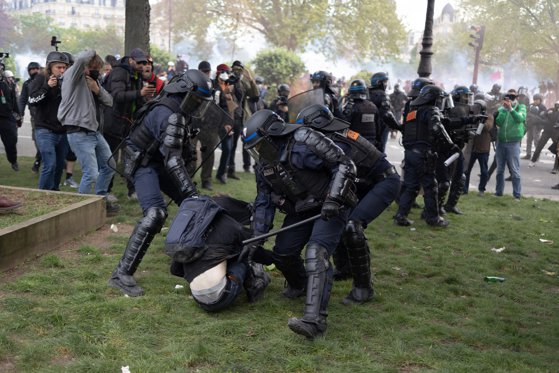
(510, 122)
(224, 97)
(10, 118)
(50, 135)
(81, 91)
(245, 90)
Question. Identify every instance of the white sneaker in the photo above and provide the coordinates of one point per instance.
(531, 164)
(71, 183)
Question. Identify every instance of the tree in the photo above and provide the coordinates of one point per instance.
(6, 26)
(353, 29)
(136, 28)
(527, 29)
(278, 65)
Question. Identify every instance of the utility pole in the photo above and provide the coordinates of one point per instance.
(425, 69)
(477, 44)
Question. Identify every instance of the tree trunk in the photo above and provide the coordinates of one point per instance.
(136, 28)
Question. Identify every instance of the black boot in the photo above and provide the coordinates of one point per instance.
(138, 243)
(360, 261)
(455, 191)
(402, 220)
(319, 285)
(342, 269)
(292, 268)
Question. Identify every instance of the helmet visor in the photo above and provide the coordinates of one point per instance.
(190, 103)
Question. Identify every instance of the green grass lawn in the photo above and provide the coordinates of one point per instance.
(432, 310)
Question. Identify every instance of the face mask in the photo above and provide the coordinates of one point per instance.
(94, 74)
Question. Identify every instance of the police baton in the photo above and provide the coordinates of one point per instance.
(246, 249)
(451, 159)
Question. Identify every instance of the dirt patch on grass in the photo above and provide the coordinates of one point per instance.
(101, 239)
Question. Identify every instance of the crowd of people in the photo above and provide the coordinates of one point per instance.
(318, 157)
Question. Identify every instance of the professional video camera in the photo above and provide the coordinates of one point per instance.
(54, 42)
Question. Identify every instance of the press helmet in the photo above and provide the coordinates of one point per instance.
(57, 57)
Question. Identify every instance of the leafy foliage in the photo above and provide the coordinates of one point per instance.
(336, 28)
(527, 29)
(278, 65)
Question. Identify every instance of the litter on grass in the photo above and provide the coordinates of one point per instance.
(499, 250)
(179, 286)
(114, 228)
(542, 240)
(125, 369)
(549, 273)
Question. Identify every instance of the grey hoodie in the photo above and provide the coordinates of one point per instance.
(78, 107)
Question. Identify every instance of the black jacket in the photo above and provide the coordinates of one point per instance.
(46, 101)
(124, 85)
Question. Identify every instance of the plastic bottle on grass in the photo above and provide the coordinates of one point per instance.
(494, 279)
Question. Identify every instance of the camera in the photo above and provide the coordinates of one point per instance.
(54, 42)
(232, 79)
(4, 55)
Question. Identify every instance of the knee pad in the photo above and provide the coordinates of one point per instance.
(153, 220)
(354, 235)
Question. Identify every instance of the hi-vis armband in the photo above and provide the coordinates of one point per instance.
(352, 135)
(411, 116)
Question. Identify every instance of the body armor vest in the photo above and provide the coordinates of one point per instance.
(292, 183)
(363, 153)
(363, 119)
(417, 127)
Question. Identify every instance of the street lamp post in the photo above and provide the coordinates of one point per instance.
(424, 70)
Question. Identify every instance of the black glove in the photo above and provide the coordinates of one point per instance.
(330, 209)
(249, 250)
(455, 149)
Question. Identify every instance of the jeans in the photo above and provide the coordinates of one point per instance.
(53, 148)
(93, 152)
(236, 273)
(483, 160)
(508, 153)
(225, 155)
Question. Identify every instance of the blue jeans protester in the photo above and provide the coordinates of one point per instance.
(53, 148)
(508, 153)
(93, 152)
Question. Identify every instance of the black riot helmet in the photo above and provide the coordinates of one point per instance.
(323, 78)
(417, 85)
(258, 133)
(33, 65)
(358, 89)
(433, 95)
(196, 85)
(284, 90)
(321, 118)
(537, 96)
(463, 95)
(482, 106)
(496, 88)
(379, 80)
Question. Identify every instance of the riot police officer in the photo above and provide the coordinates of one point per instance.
(423, 134)
(279, 104)
(377, 94)
(324, 80)
(157, 152)
(361, 113)
(452, 179)
(301, 172)
(377, 185)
